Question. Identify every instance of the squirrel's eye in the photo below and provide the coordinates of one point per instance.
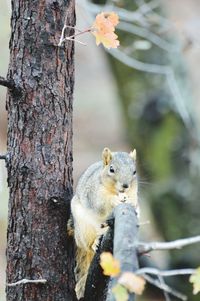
(134, 173)
(112, 169)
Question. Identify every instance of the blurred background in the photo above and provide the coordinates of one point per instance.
(144, 95)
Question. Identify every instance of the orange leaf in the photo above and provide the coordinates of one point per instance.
(135, 284)
(103, 29)
(109, 264)
(113, 18)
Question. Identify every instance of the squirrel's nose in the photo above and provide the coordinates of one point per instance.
(125, 185)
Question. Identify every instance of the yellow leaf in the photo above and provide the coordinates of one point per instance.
(195, 280)
(120, 293)
(134, 284)
(103, 29)
(109, 264)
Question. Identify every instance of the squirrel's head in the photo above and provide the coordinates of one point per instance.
(119, 172)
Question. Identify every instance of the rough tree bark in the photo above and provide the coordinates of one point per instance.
(40, 150)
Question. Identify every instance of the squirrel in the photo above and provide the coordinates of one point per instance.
(101, 187)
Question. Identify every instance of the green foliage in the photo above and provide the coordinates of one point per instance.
(195, 280)
(120, 292)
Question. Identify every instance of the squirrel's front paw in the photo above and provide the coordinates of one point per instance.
(123, 197)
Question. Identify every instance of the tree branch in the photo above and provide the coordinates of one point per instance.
(167, 71)
(148, 9)
(7, 83)
(176, 244)
(165, 287)
(10, 84)
(125, 15)
(138, 65)
(168, 273)
(3, 157)
(125, 242)
(150, 36)
(166, 294)
(138, 16)
(126, 250)
(161, 284)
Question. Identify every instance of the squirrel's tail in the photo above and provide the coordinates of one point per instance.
(83, 260)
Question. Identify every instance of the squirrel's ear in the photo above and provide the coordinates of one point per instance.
(133, 154)
(106, 156)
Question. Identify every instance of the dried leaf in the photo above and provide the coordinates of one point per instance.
(109, 264)
(195, 280)
(103, 29)
(113, 18)
(133, 283)
(120, 293)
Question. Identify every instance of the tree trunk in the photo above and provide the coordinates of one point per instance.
(40, 151)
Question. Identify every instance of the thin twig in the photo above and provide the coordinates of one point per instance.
(148, 10)
(25, 281)
(162, 274)
(165, 288)
(146, 7)
(80, 33)
(137, 16)
(166, 294)
(74, 40)
(72, 37)
(125, 15)
(62, 36)
(158, 69)
(167, 273)
(72, 27)
(179, 103)
(150, 36)
(138, 65)
(176, 244)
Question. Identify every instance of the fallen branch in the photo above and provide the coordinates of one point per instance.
(25, 281)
